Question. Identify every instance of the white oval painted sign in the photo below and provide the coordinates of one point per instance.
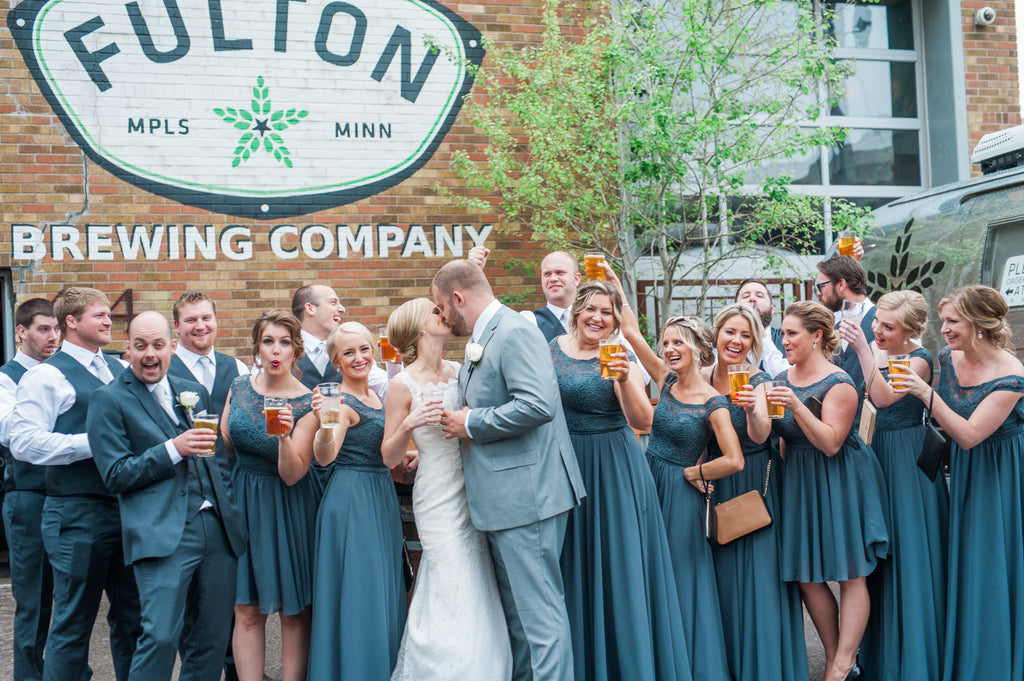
(255, 109)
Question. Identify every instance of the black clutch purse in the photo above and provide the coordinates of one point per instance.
(934, 448)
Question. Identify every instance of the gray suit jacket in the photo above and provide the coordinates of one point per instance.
(127, 430)
(520, 466)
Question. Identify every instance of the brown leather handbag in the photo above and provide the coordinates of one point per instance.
(739, 516)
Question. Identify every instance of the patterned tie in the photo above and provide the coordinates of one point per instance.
(163, 396)
(101, 370)
(564, 320)
(207, 365)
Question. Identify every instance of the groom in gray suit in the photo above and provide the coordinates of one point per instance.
(521, 473)
(181, 530)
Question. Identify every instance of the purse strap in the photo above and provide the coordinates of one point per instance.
(928, 411)
(767, 474)
(707, 503)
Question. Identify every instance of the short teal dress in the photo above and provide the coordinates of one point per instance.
(620, 588)
(275, 572)
(359, 600)
(833, 507)
(679, 436)
(761, 614)
(906, 629)
(985, 599)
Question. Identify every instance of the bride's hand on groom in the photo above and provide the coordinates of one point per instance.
(453, 423)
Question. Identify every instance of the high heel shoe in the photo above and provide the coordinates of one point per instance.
(855, 673)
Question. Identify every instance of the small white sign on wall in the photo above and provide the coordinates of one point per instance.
(1011, 285)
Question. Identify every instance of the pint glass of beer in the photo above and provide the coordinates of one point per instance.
(272, 406)
(208, 421)
(330, 412)
(592, 263)
(387, 353)
(846, 241)
(898, 364)
(775, 411)
(609, 346)
(739, 376)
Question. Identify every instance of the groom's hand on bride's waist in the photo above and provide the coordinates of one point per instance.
(453, 423)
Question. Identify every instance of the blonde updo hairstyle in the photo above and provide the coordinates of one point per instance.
(910, 308)
(405, 325)
(283, 318)
(348, 327)
(752, 317)
(816, 317)
(695, 334)
(985, 308)
(586, 292)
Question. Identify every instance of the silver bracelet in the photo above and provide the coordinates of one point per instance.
(317, 439)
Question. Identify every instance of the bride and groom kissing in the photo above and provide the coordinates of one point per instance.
(491, 528)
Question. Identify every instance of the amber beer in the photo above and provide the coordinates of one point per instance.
(272, 406)
(330, 412)
(609, 346)
(592, 264)
(775, 411)
(387, 353)
(846, 241)
(208, 421)
(739, 376)
(899, 364)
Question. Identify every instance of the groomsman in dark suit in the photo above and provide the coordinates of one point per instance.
(319, 310)
(24, 493)
(81, 525)
(195, 358)
(182, 532)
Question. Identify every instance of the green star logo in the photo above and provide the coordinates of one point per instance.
(260, 126)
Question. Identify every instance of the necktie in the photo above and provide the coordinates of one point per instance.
(564, 319)
(101, 370)
(207, 364)
(163, 396)
(319, 358)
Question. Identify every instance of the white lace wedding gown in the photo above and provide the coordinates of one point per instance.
(455, 630)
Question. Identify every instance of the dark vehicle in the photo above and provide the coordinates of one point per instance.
(962, 233)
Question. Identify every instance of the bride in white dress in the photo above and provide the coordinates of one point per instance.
(455, 630)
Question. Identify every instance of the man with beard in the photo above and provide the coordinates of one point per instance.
(841, 278)
(754, 292)
(24, 493)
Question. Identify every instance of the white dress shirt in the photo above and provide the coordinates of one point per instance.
(191, 361)
(773, 360)
(7, 390)
(44, 394)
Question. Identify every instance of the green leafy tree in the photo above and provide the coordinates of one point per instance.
(629, 127)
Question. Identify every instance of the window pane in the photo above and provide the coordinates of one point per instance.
(877, 157)
(803, 169)
(883, 26)
(864, 91)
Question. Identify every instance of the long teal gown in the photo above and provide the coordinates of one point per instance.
(620, 589)
(903, 641)
(359, 600)
(833, 515)
(276, 571)
(761, 615)
(679, 435)
(985, 599)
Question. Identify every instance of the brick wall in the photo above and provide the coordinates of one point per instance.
(45, 179)
(990, 66)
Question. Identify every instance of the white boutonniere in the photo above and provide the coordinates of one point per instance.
(188, 400)
(474, 352)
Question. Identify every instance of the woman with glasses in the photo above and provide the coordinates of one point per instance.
(761, 614)
(689, 414)
(620, 589)
(908, 591)
(832, 517)
(978, 404)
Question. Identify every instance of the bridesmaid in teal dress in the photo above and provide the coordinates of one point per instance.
(978, 404)
(906, 629)
(278, 503)
(761, 614)
(689, 414)
(358, 586)
(620, 589)
(833, 514)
